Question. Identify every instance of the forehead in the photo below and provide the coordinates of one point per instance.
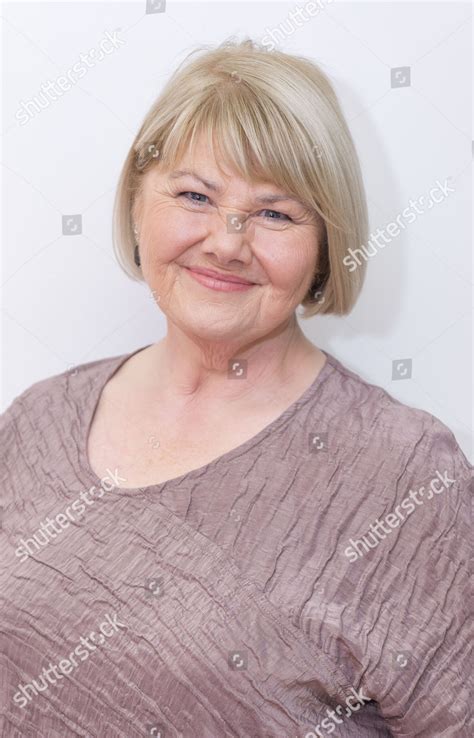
(204, 156)
(206, 166)
(208, 163)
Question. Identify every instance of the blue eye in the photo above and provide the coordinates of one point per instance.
(181, 194)
(192, 197)
(276, 213)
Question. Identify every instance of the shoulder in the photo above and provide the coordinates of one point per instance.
(402, 543)
(54, 391)
(367, 404)
(385, 428)
(406, 479)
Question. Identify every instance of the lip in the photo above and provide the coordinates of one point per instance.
(218, 275)
(216, 283)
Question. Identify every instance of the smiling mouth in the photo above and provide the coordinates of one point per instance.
(221, 283)
(219, 275)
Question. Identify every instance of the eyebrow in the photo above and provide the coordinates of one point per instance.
(267, 198)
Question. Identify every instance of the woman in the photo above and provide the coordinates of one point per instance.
(227, 532)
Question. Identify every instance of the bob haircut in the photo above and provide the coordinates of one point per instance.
(274, 117)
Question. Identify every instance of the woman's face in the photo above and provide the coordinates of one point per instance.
(183, 223)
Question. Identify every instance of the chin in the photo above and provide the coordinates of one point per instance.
(209, 325)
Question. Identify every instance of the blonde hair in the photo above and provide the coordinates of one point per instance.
(275, 117)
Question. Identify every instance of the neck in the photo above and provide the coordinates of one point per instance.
(192, 369)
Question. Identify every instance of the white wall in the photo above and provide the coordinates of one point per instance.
(65, 301)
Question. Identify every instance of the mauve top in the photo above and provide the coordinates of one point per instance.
(311, 580)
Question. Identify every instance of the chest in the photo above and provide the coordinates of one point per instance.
(180, 619)
(150, 450)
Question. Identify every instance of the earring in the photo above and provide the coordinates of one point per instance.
(136, 255)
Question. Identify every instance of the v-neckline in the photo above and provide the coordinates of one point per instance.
(93, 402)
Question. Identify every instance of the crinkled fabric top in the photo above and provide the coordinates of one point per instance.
(311, 580)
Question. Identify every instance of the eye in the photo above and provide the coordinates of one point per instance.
(192, 199)
(276, 212)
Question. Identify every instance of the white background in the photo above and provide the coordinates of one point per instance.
(65, 301)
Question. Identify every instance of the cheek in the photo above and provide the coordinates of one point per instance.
(170, 231)
(287, 258)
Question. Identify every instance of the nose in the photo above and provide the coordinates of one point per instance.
(229, 235)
